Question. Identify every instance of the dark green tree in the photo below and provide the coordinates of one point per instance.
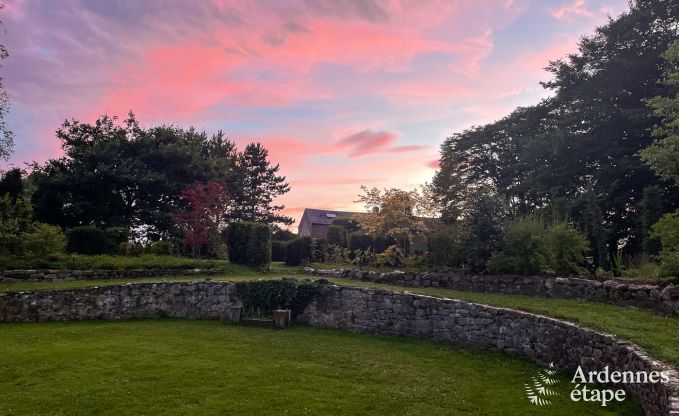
(663, 155)
(255, 185)
(123, 175)
(11, 183)
(576, 153)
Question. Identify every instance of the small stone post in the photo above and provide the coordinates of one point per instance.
(282, 318)
(234, 313)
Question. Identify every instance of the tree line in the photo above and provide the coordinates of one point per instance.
(600, 153)
(163, 183)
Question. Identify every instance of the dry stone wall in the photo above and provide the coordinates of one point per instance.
(661, 298)
(540, 339)
(195, 300)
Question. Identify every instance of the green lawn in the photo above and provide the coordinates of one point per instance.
(179, 367)
(83, 262)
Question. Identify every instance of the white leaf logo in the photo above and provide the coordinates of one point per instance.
(537, 391)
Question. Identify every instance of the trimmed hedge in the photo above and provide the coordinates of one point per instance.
(249, 243)
(298, 251)
(88, 239)
(278, 249)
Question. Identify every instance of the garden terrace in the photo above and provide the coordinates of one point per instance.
(523, 334)
(661, 297)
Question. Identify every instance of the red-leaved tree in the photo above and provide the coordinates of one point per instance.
(206, 204)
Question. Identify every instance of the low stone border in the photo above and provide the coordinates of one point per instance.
(662, 298)
(10, 276)
(538, 338)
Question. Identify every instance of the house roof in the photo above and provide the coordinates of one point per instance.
(326, 216)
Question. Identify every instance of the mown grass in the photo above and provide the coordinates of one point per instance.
(108, 262)
(180, 367)
(657, 334)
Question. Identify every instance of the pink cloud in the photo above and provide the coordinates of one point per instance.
(578, 8)
(434, 164)
(367, 142)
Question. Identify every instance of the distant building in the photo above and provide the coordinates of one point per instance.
(315, 222)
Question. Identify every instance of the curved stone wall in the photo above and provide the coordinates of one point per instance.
(661, 298)
(540, 339)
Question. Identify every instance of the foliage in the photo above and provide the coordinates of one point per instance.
(161, 248)
(337, 235)
(90, 185)
(264, 296)
(359, 241)
(206, 204)
(445, 247)
(393, 256)
(88, 239)
(319, 250)
(11, 183)
(249, 243)
(364, 258)
(567, 249)
(483, 219)
(279, 234)
(524, 249)
(298, 251)
(669, 267)
(337, 254)
(667, 231)
(663, 155)
(15, 220)
(350, 224)
(392, 213)
(278, 249)
(258, 184)
(44, 241)
(583, 139)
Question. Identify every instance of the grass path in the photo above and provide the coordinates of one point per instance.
(657, 334)
(178, 367)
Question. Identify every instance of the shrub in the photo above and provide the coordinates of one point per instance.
(89, 239)
(392, 257)
(566, 249)
(524, 249)
(337, 235)
(278, 250)
(484, 216)
(669, 267)
(262, 297)
(364, 258)
(360, 242)
(249, 243)
(319, 250)
(259, 245)
(667, 231)
(161, 248)
(445, 248)
(298, 251)
(337, 254)
(44, 241)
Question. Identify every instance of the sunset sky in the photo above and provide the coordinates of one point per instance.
(342, 93)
